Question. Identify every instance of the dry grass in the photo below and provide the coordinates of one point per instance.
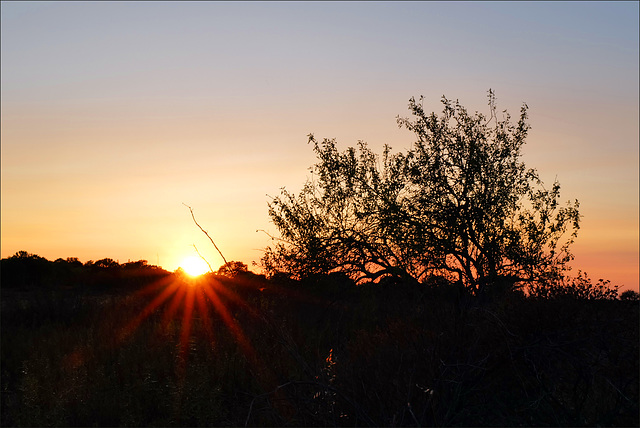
(357, 356)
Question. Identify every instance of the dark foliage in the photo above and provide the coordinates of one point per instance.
(630, 295)
(317, 352)
(24, 270)
(459, 203)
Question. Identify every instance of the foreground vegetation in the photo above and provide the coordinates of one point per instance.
(243, 350)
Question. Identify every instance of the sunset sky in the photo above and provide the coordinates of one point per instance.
(114, 114)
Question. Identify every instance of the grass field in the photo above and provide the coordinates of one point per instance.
(246, 351)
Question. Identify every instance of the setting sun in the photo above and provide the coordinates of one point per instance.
(194, 266)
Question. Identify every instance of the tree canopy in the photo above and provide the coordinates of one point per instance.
(460, 203)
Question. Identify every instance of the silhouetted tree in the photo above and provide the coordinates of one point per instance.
(629, 295)
(580, 287)
(460, 203)
(25, 269)
(138, 265)
(232, 269)
(73, 261)
(107, 263)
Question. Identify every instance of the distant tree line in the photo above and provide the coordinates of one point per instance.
(24, 269)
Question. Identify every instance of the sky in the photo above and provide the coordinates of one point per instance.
(114, 114)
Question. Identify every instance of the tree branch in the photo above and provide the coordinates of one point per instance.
(205, 260)
(205, 232)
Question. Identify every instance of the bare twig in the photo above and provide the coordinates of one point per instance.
(205, 232)
(205, 260)
(617, 389)
(273, 238)
(413, 415)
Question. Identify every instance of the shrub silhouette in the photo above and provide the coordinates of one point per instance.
(630, 295)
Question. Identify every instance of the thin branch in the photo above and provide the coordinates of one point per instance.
(205, 232)
(205, 260)
(413, 415)
(273, 238)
